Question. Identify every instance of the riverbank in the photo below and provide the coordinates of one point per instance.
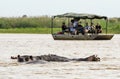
(41, 25)
(27, 30)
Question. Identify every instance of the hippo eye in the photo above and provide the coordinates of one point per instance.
(26, 59)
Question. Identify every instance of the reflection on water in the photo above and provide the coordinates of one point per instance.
(39, 44)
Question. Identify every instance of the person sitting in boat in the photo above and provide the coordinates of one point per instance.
(75, 22)
(64, 28)
(80, 29)
(98, 28)
(87, 28)
(72, 29)
(92, 28)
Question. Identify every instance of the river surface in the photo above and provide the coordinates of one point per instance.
(40, 44)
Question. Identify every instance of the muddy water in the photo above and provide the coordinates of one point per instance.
(39, 44)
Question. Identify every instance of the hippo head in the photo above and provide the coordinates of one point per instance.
(93, 58)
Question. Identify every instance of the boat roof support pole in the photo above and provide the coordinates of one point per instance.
(52, 25)
(91, 21)
(68, 22)
(106, 25)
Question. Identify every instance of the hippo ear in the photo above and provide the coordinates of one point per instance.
(95, 55)
(18, 56)
(31, 57)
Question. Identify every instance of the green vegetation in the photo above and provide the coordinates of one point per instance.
(26, 30)
(42, 25)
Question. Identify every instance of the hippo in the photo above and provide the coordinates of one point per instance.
(53, 58)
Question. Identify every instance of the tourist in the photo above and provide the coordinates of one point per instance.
(87, 28)
(80, 28)
(98, 28)
(64, 28)
(72, 29)
(92, 30)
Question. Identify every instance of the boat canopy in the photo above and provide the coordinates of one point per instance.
(81, 16)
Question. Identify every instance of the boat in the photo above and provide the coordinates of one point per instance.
(86, 36)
